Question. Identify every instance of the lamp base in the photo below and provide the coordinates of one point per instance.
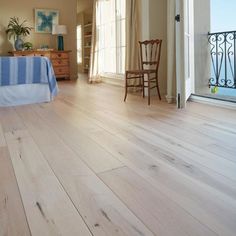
(60, 43)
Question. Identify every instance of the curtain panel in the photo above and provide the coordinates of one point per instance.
(103, 40)
(94, 70)
(133, 36)
(133, 32)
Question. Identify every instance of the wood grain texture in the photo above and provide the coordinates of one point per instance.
(2, 139)
(89, 164)
(151, 204)
(170, 151)
(12, 216)
(165, 178)
(102, 211)
(94, 155)
(48, 208)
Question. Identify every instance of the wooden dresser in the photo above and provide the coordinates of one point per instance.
(60, 60)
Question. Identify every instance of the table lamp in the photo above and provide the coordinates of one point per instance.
(59, 30)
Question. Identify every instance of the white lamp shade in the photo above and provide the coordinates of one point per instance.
(59, 29)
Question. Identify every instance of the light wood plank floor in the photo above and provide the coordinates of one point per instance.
(90, 164)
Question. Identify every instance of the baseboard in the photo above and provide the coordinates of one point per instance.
(170, 99)
(212, 101)
(121, 83)
(114, 81)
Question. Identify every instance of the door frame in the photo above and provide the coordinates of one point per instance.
(184, 51)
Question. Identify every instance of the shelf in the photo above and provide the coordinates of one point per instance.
(88, 25)
(88, 36)
(87, 46)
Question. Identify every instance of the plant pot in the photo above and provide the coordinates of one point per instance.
(19, 44)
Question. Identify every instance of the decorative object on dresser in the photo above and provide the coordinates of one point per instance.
(60, 60)
(45, 19)
(59, 30)
(17, 29)
(27, 46)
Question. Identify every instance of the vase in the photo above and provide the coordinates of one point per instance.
(19, 44)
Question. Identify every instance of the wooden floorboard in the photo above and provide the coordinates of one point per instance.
(12, 215)
(160, 175)
(161, 214)
(103, 212)
(2, 139)
(90, 164)
(153, 144)
(48, 209)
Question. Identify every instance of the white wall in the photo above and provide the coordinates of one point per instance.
(154, 25)
(145, 22)
(84, 5)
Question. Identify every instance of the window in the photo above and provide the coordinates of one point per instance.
(111, 36)
(79, 44)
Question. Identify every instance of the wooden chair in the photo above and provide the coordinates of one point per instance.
(150, 53)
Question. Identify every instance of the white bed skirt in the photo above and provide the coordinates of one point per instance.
(16, 95)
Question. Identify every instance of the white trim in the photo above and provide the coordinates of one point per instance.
(121, 83)
(113, 76)
(184, 52)
(212, 101)
(170, 99)
(171, 53)
(114, 81)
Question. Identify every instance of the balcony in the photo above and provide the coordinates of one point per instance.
(223, 59)
(215, 52)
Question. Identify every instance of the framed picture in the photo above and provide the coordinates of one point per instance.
(45, 19)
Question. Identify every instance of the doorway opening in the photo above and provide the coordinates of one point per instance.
(215, 49)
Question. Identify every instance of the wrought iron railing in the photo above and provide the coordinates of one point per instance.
(223, 59)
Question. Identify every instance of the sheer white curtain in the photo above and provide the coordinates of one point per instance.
(133, 31)
(108, 43)
(94, 69)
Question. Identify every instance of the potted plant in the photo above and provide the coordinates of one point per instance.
(17, 29)
(28, 46)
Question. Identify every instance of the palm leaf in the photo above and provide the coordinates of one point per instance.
(15, 28)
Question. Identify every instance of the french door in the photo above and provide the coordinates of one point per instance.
(184, 51)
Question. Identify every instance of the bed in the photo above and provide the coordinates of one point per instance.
(26, 80)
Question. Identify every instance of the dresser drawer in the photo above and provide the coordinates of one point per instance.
(60, 62)
(59, 59)
(59, 55)
(42, 54)
(61, 70)
(23, 55)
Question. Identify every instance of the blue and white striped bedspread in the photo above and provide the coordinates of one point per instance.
(27, 70)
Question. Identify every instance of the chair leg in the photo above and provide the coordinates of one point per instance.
(143, 86)
(126, 86)
(158, 90)
(149, 90)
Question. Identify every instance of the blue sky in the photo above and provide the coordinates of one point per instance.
(223, 15)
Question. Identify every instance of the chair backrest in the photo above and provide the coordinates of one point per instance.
(150, 54)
